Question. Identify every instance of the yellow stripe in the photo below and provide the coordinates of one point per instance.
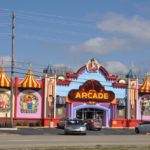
(34, 83)
(25, 82)
(2, 80)
(30, 81)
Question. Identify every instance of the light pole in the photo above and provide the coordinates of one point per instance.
(12, 71)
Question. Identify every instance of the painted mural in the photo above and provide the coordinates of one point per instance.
(4, 101)
(29, 104)
(146, 106)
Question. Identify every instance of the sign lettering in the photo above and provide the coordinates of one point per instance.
(96, 94)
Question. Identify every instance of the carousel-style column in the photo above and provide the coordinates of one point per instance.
(50, 97)
(132, 98)
(132, 95)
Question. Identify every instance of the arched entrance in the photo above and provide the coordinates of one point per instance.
(92, 111)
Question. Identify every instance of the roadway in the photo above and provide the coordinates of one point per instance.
(40, 137)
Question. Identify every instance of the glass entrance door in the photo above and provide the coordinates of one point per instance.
(89, 113)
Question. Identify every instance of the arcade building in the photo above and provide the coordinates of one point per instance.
(89, 93)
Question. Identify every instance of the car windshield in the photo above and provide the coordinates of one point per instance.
(96, 120)
(75, 122)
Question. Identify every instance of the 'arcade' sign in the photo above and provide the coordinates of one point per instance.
(91, 90)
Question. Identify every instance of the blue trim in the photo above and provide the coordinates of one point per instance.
(107, 110)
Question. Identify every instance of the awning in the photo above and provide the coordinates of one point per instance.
(29, 81)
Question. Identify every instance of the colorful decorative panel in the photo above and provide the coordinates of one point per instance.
(4, 101)
(29, 104)
(92, 65)
(145, 106)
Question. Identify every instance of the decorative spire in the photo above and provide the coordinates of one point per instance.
(2, 67)
(4, 79)
(49, 70)
(30, 66)
(145, 88)
(131, 74)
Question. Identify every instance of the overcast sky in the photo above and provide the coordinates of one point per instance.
(70, 32)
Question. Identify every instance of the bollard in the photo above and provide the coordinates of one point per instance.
(51, 124)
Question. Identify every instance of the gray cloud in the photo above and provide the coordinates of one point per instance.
(134, 27)
(100, 45)
(124, 34)
(116, 67)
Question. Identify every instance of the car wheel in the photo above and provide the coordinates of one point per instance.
(58, 125)
(65, 132)
(137, 130)
(87, 127)
(99, 129)
(93, 128)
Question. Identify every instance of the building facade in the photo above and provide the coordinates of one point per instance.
(89, 93)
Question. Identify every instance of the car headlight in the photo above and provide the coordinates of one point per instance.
(83, 128)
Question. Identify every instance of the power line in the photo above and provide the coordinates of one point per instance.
(58, 70)
(54, 16)
(74, 80)
(53, 30)
(5, 24)
(37, 14)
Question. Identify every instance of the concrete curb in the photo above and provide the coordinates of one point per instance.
(8, 129)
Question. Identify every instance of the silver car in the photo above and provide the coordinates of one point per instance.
(75, 126)
(143, 127)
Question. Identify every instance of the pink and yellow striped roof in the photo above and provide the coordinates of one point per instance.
(29, 81)
(145, 88)
(4, 79)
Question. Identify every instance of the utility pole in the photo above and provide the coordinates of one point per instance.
(12, 70)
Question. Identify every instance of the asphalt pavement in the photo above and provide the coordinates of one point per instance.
(45, 138)
(56, 131)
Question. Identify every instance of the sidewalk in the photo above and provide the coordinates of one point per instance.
(9, 129)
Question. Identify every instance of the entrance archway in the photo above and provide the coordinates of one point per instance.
(94, 109)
